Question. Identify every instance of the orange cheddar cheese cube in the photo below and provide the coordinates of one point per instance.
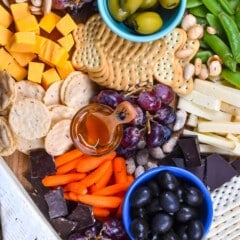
(60, 56)
(66, 25)
(50, 76)
(23, 59)
(27, 24)
(23, 42)
(5, 35)
(5, 59)
(65, 69)
(5, 17)
(67, 42)
(35, 71)
(49, 21)
(39, 43)
(20, 10)
(16, 71)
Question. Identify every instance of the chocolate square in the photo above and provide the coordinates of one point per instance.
(179, 162)
(190, 148)
(218, 171)
(57, 206)
(41, 163)
(236, 165)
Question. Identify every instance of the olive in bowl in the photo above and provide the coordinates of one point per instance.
(141, 20)
(167, 203)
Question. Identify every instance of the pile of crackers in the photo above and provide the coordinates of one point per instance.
(32, 117)
(119, 64)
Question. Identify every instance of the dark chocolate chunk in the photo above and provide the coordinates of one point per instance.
(63, 226)
(57, 206)
(236, 165)
(83, 215)
(179, 162)
(218, 171)
(190, 148)
(199, 171)
(41, 163)
(40, 202)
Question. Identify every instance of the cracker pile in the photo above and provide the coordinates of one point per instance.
(116, 63)
(31, 117)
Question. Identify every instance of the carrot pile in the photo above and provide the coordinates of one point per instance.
(99, 181)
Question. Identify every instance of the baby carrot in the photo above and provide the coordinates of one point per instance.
(99, 201)
(100, 212)
(61, 179)
(67, 167)
(103, 181)
(95, 175)
(75, 187)
(70, 196)
(119, 170)
(112, 189)
(130, 178)
(68, 156)
(91, 162)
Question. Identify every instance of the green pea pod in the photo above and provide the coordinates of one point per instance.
(237, 19)
(231, 77)
(203, 45)
(214, 22)
(213, 6)
(234, 4)
(233, 34)
(199, 11)
(193, 3)
(204, 55)
(221, 49)
(202, 21)
(226, 6)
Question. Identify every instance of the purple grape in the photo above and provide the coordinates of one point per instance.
(109, 97)
(149, 101)
(165, 93)
(165, 115)
(167, 132)
(60, 4)
(131, 136)
(126, 152)
(114, 229)
(156, 136)
(140, 119)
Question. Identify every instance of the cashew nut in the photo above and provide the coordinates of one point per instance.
(211, 30)
(181, 117)
(130, 165)
(204, 72)
(36, 3)
(157, 153)
(188, 71)
(195, 32)
(139, 170)
(188, 21)
(170, 144)
(198, 65)
(215, 68)
(142, 157)
(184, 53)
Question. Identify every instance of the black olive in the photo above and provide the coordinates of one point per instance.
(154, 188)
(161, 223)
(192, 196)
(141, 197)
(171, 235)
(153, 236)
(169, 202)
(139, 213)
(167, 181)
(181, 231)
(186, 213)
(180, 192)
(139, 228)
(195, 230)
(154, 206)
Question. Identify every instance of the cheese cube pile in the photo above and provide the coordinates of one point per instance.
(26, 49)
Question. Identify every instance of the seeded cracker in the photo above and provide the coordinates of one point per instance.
(52, 94)
(29, 119)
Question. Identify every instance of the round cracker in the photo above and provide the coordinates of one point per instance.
(58, 139)
(29, 119)
(28, 89)
(7, 142)
(25, 146)
(79, 90)
(7, 90)
(52, 95)
(60, 112)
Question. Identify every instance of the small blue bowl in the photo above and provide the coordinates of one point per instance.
(171, 18)
(187, 177)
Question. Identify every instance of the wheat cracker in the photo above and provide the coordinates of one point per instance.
(52, 94)
(29, 119)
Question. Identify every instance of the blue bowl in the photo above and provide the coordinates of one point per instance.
(187, 177)
(171, 18)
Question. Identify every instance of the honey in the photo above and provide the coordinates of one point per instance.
(91, 134)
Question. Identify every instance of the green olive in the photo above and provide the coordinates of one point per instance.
(116, 11)
(145, 22)
(146, 4)
(169, 4)
(130, 6)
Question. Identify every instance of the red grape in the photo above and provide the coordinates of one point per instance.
(164, 92)
(156, 136)
(131, 136)
(149, 101)
(109, 97)
(165, 115)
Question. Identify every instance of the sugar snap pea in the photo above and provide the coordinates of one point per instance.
(199, 11)
(232, 33)
(204, 55)
(193, 3)
(226, 6)
(231, 77)
(237, 19)
(221, 49)
(234, 4)
(213, 6)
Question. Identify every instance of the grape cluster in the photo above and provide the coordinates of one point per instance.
(152, 127)
(111, 229)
